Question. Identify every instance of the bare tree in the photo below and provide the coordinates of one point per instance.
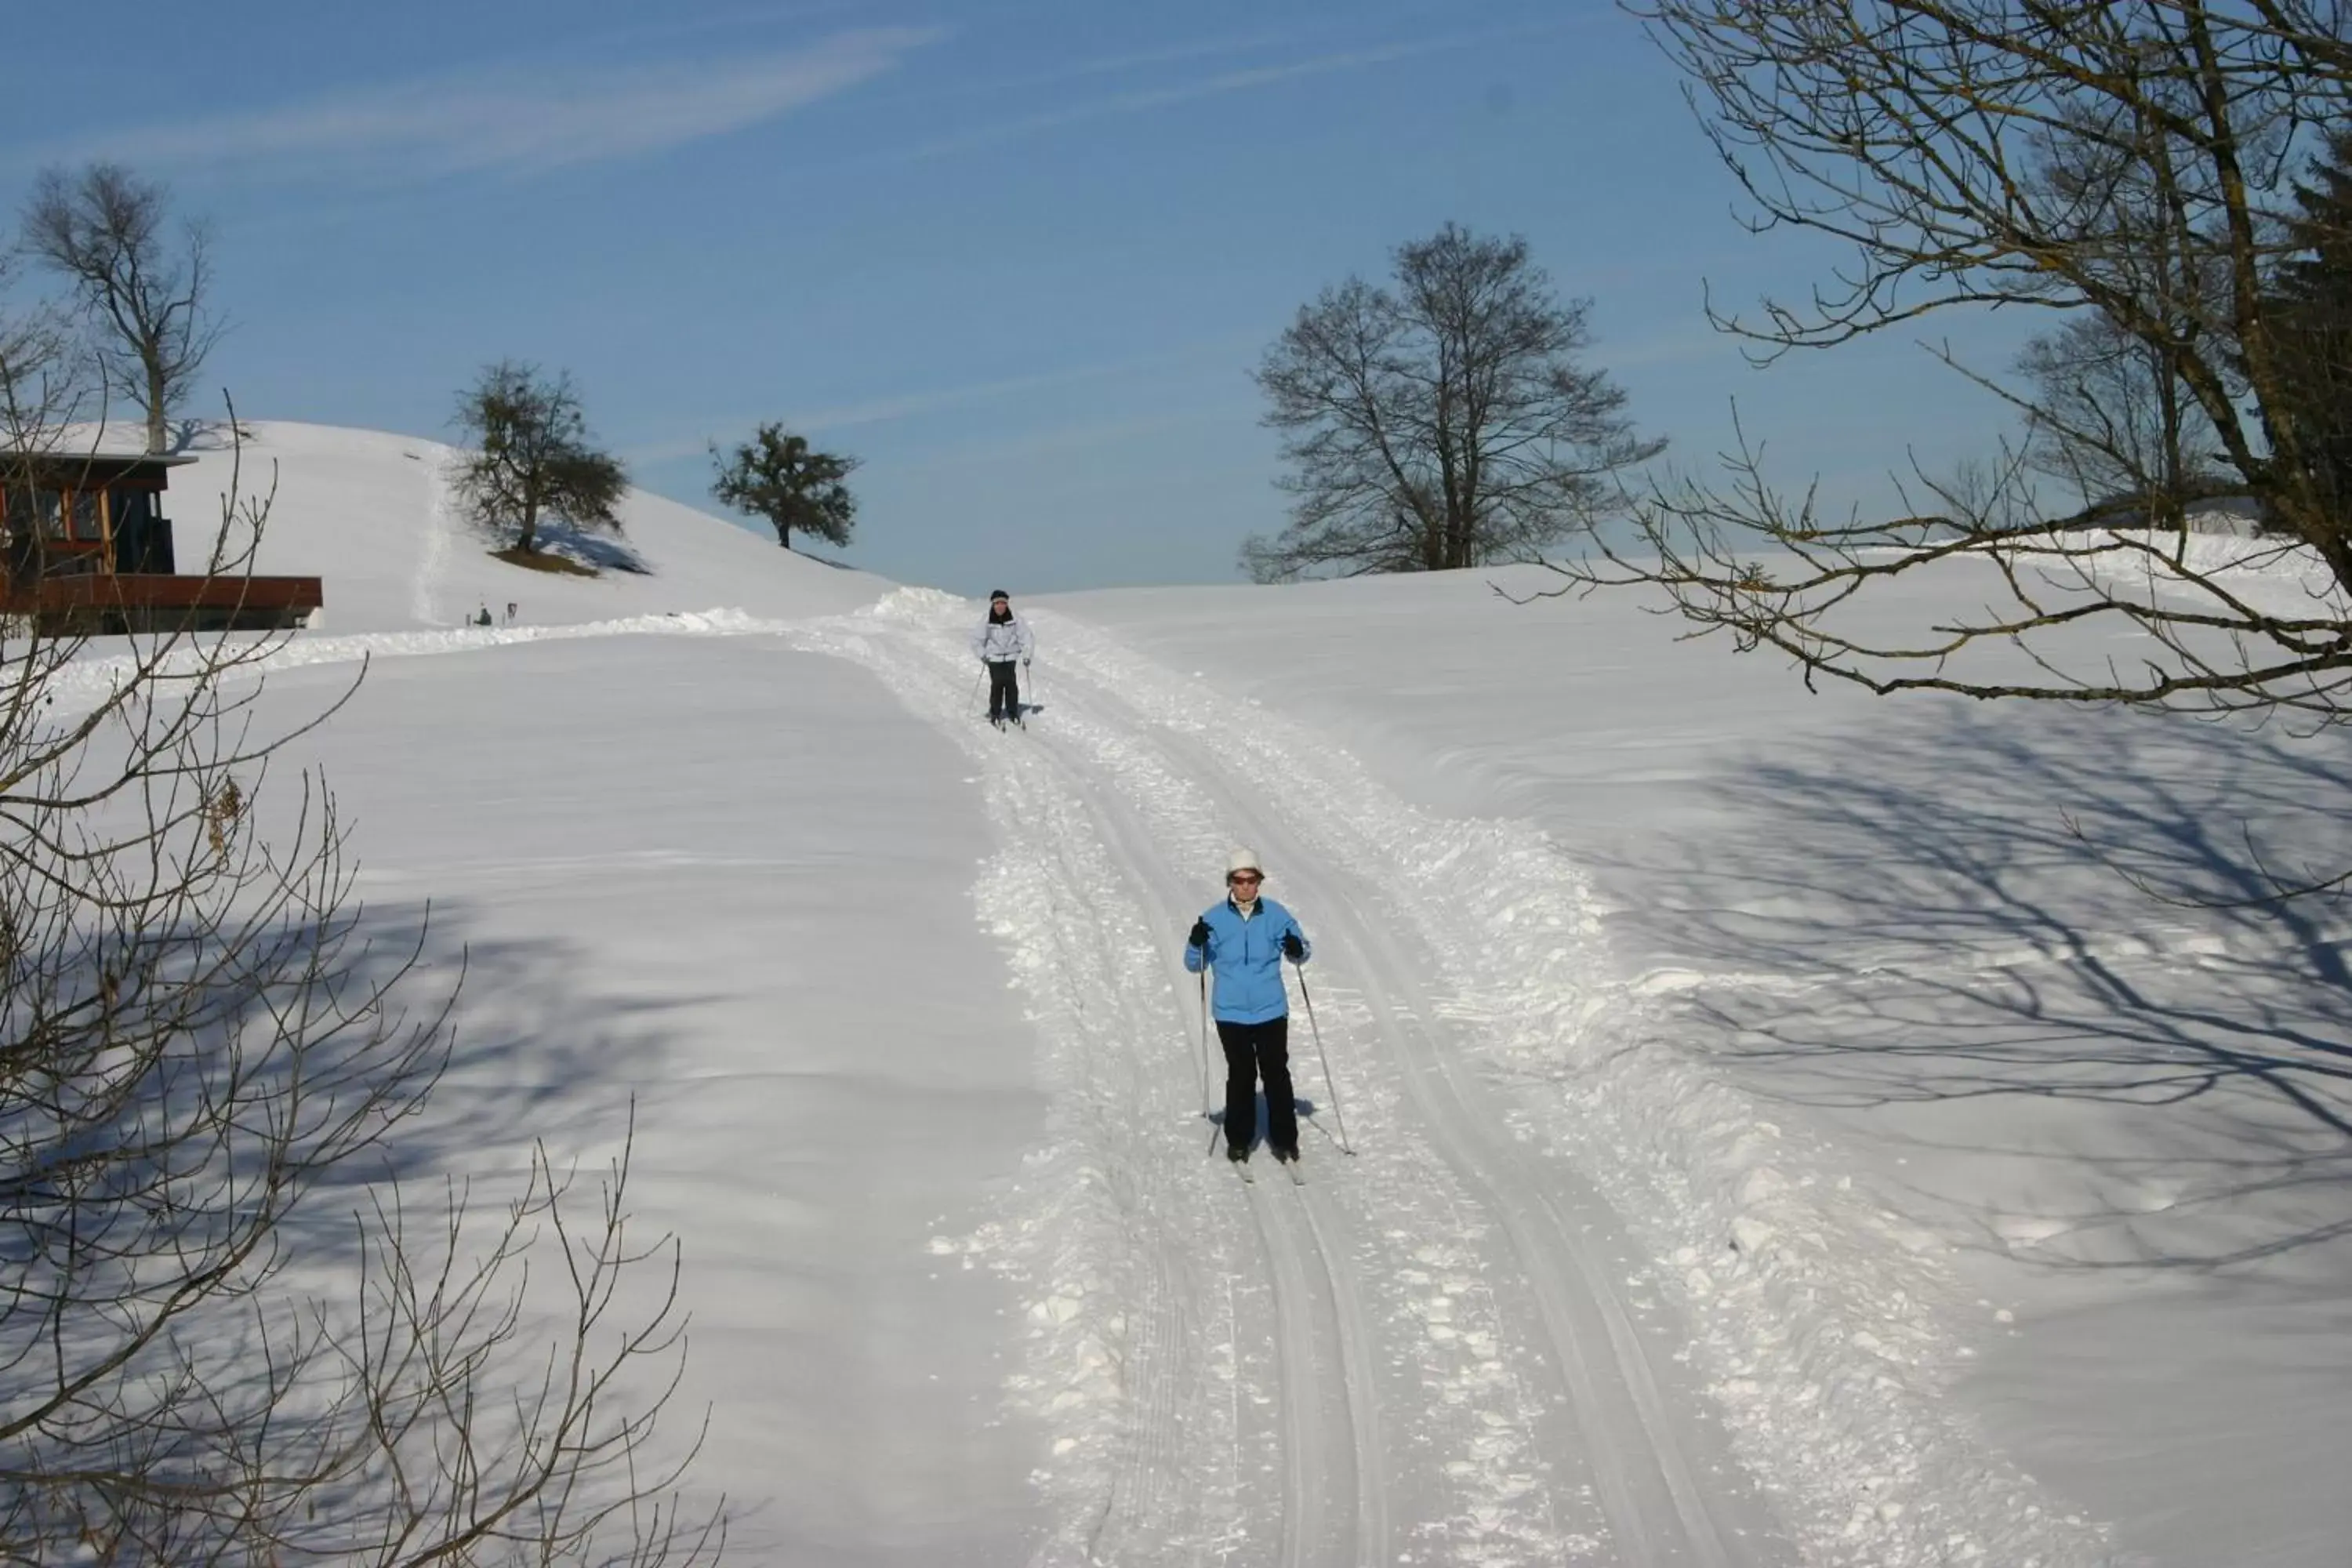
(147, 290)
(205, 1059)
(1444, 423)
(43, 390)
(533, 457)
(775, 475)
(2122, 434)
(2125, 161)
(2109, 413)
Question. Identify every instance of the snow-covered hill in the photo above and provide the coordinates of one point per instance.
(373, 515)
(1779, 1136)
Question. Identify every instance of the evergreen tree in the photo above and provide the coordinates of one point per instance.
(778, 476)
(2312, 325)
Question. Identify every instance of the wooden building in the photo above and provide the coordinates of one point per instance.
(85, 548)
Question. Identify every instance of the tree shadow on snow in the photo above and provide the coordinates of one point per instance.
(602, 552)
(535, 1051)
(1886, 934)
(530, 1052)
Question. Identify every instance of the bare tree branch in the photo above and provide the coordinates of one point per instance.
(202, 1044)
(2130, 166)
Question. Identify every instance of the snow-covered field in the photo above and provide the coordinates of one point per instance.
(1781, 1135)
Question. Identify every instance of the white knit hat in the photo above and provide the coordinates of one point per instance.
(1242, 860)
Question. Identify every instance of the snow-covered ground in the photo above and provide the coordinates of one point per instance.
(1779, 1137)
(1900, 929)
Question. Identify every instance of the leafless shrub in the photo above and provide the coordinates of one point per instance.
(205, 1059)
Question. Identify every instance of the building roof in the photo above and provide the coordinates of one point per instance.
(71, 466)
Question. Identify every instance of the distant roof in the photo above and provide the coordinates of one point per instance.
(99, 467)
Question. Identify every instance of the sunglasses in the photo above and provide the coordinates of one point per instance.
(1240, 877)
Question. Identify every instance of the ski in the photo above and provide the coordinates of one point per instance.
(1297, 1175)
(1242, 1169)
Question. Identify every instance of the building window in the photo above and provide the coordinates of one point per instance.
(34, 514)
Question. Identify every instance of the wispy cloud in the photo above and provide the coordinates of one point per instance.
(519, 120)
(666, 27)
(1249, 79)
(1185, 53)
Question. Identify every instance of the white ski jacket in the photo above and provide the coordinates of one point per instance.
(1002, 642)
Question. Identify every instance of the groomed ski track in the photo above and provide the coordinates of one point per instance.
(1448, 1349)
(1426, 1353)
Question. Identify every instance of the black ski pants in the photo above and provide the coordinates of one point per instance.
(1003, 688)
(1254, 1051)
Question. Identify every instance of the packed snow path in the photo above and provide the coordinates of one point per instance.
(1428, 1352)
(1451, 1348)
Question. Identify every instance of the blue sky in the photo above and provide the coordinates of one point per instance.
(1019, 257)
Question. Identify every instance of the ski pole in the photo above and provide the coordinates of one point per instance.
(976, 680)
(1204, 1056)
(1205, 1041)
(1329, 1081)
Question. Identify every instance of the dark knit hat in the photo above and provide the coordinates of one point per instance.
(996, 594)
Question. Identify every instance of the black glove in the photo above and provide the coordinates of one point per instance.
(1200, 937)
(1292, 948)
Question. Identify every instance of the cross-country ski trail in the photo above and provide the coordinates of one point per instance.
(1423, 1354)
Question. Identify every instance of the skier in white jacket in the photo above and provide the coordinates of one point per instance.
(1004, 644)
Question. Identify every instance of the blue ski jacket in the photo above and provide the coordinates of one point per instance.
(1247, 956)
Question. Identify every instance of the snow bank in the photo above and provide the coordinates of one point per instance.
(87, 680)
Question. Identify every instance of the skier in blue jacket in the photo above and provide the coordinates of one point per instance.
(1245, 940)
